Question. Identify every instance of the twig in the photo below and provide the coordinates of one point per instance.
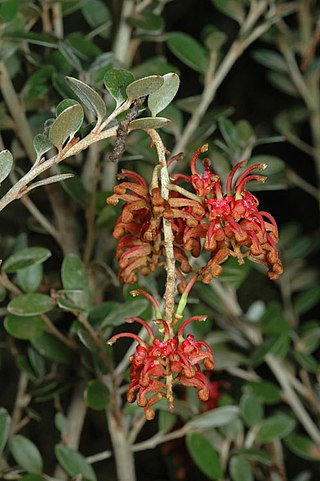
(292, 399)
(122, 39)
(167, 229)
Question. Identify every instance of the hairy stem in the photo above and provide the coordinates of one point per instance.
(167, 230)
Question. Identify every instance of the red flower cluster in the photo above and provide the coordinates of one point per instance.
(231, 225)
(225, 224)
(159, 364)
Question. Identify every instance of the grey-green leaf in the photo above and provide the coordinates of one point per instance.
(251, 409)
(24, 328)
(144, 86)
(64, 104)
(74, 463)
(41, 144)
(148, 123)
(26, 454)
(30, 305)
(25, 258)
(52, 348)
(232, 8)
(204, 455)
(116, 81)
(6, 162)
(73, 273)
(240, 469)
(96, 395)
(88, 97)
(188, 50)
(66, 125)
(215, 418)
(5, 421)
(50, 180)
(158, 100)
(275, 427)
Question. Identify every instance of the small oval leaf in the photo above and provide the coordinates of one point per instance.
(64, 104)
(73, 273)
(26, 454)
(240, 469)
(74, 463)
(30, 305)
(51, 348)
(144, 86)
(188, 50)
(275, 427)
(148, 123)
(204, 455)
(41, 144)
(116, 81)
(88, 97)
(29, 256)
(215, 418)
(6, 161)
(66, 125)
(161, 98)
(24, 328)
(96, 395)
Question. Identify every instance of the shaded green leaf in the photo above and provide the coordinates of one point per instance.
(148, 123)
(64, 104)
(306, 361)
(29, 256)
(41, 144)
(88, 97)
(188, 50)
(26, 454)
(5, 421)
(232, 8)
(69, 54)
(116, 81)
(32, 477)
(251, 409)
(74, 463)
(282, 83)
(204, 455)
(66, 125)
(24, 327)
(240, 469)
(144, 86)
(61, 422)
(30, 305)
(215, 40)
(148, 22)
(9, 9)
(75, 300)
(120, 311)
(268, 392)
(158, 100)
(51, 348)
(97, 395)
(307, 300)
(269, 58)
(275, 427)
(74, 187)
(96, 13)
(215, 418)
(166, 421)
(253, 454)
(303, 447)
(6, 162)
(73, 273)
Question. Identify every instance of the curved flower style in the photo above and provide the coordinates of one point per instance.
(159, 364)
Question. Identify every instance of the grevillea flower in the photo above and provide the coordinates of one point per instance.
(225, 222)
(232, 225)
(162, 362)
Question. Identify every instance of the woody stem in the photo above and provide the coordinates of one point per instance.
(167, 230)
